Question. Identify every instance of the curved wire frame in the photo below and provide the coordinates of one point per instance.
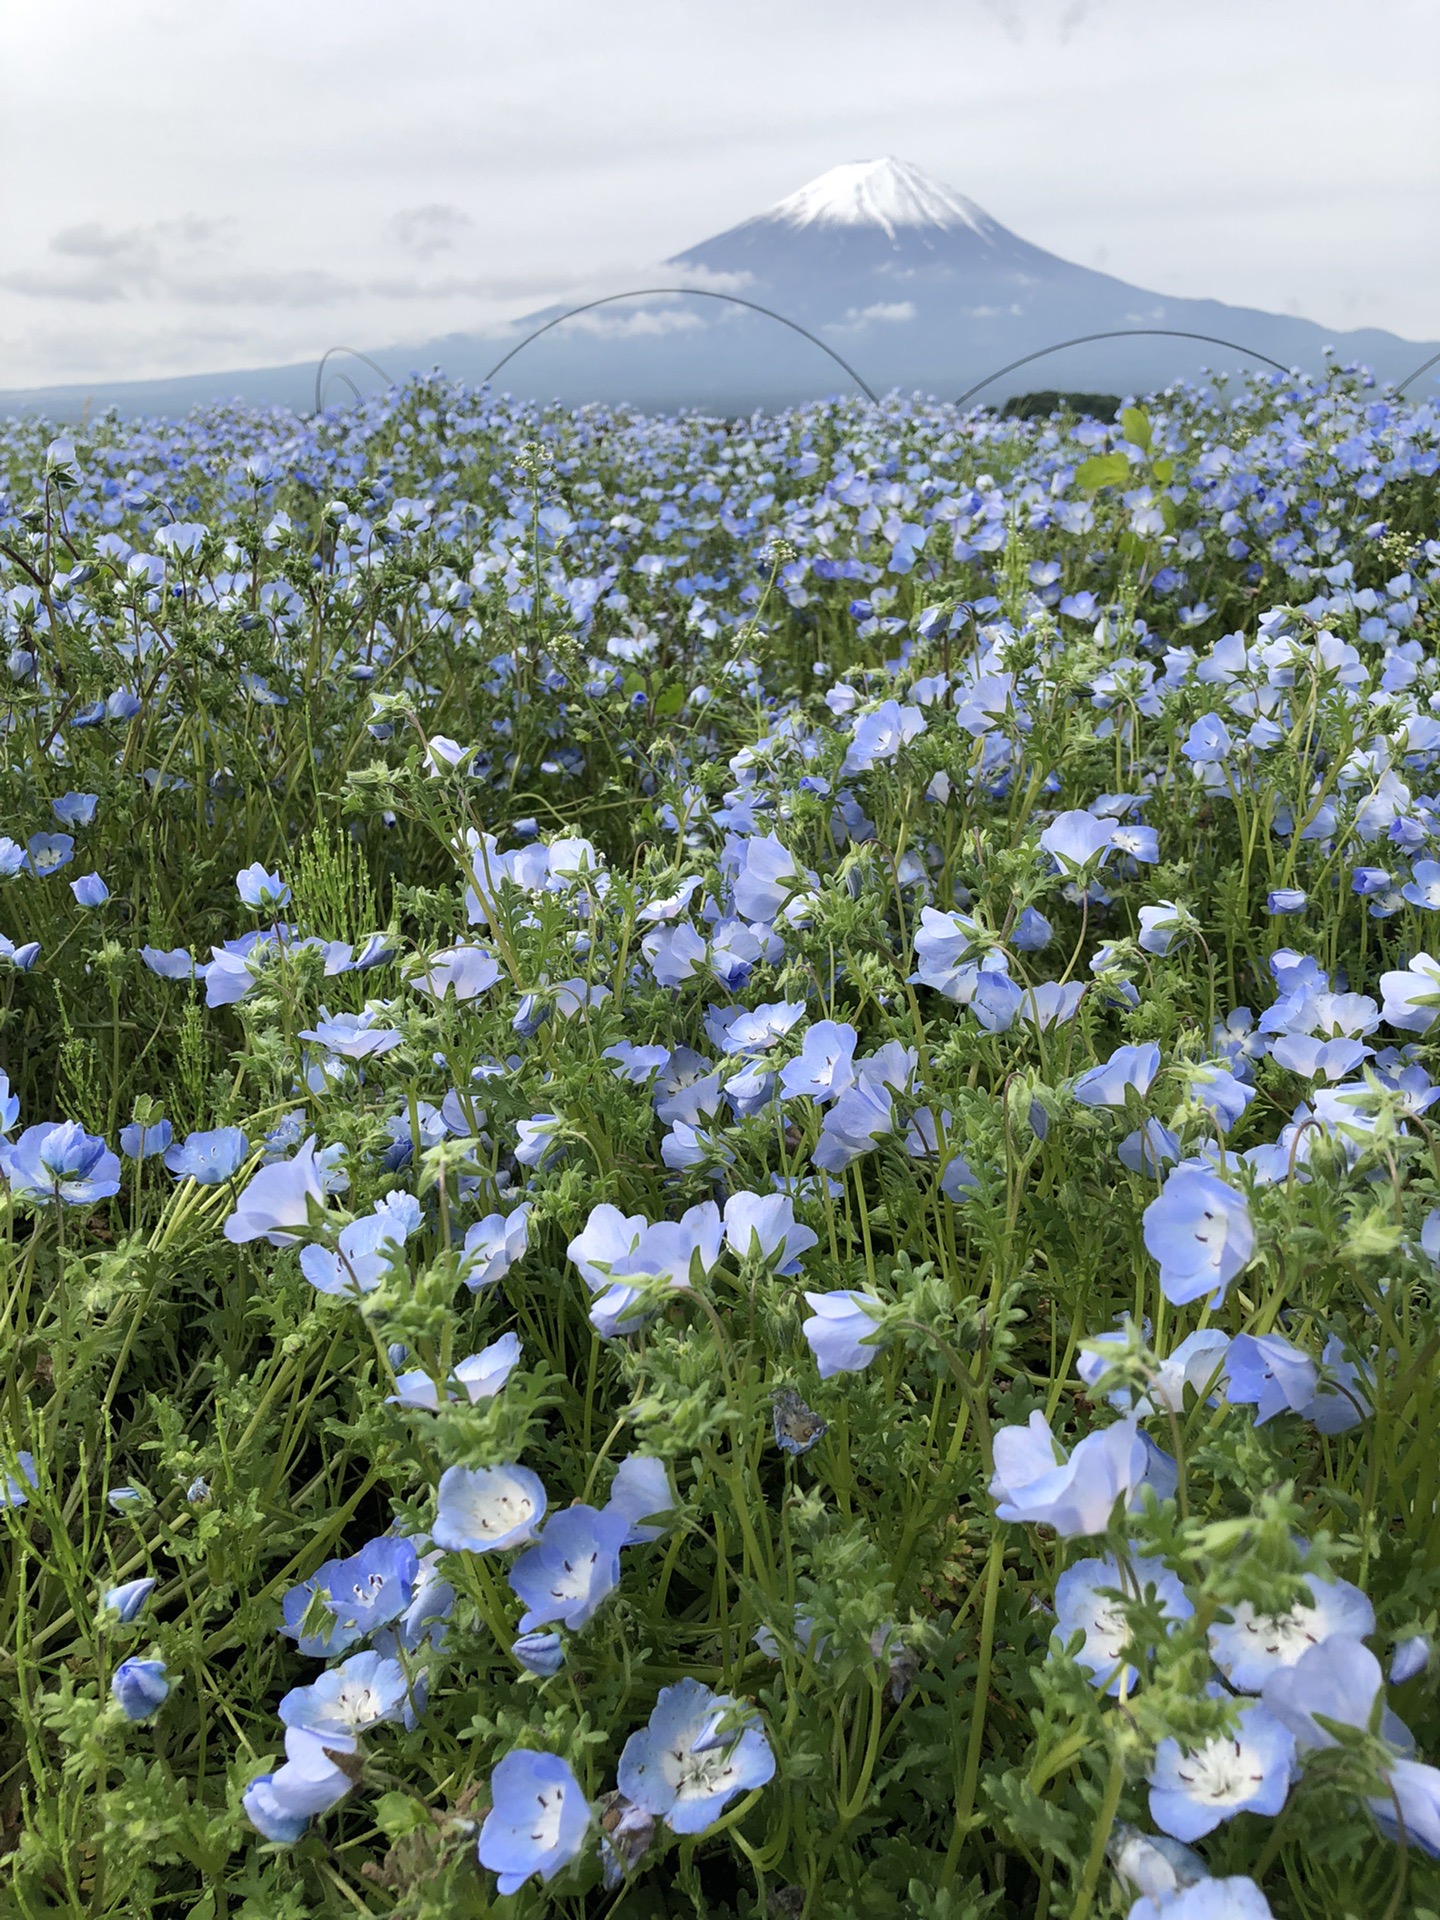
(1118, 333)
(355, 353)
(1424, 367)
(698, 293)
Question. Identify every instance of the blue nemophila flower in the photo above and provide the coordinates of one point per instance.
(282, 1804)
(1340, 1681)
(493, 1245)
(764, 1227)
(1267, 1372)
(1152, 1863)
(59, 1161)
(479, 1376)
(14, 1487)
(354, 1036)
(464, 971)
(209, 1159)
(1411, 996)
(75, 809)
(1036, 1482)
(540, 1653)
(1234, 1898)
(1162, 925)
(349, 1699)
(823, 1069)
(1195, 1363)
(1249, 1648)
(1088, 1600)
(141, 1143)
(1076, 841)
(1423, 888)
(485, 1509)
(21, 958)
(572, 1569)
(141, 1687)
(9, 1104)
(1127, 1068)
(176, 963)
(12, 857)
(365, 1250)
(641, 1492)
(47, 853)
(842, 1330)
(346, 1600)
(1248, 1771)
(697, 1752)
(266, 892)
(537, 1141)
(90, 890)
(277, 1203)
(1199, 1233)
(1410, 1657)
(537, 1821)
(1286, 900)
(127, 1602)
(854, 1125)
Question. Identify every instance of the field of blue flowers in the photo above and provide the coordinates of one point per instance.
(719, 1185)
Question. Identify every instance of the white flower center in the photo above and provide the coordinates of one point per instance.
(1224, 1772)
(549, 1806)
(1283, 1636)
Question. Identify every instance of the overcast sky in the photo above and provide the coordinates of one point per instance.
(198, 184)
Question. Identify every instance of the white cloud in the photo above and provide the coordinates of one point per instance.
(518, 157)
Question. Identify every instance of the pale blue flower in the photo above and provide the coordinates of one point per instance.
(537, 1821)
(281, 1805)
(1248, 1771)
(59, 1161)
(764, 1227)
(90, 890)
(1036, 1482)
(47, 853)
(682, 1768)
(572, 1569)
(1127, 1069)
(1234, 1898)
(1249, 1648)
(493, 1245)
(127, 1602)
(1199, 1233)
(349, 1699)
(345, 1600)
(540, 1653)
(486, 1509)
(266, 892)
(842, 1330)
(276, 1205)
(141, 1143)
(209, 1159)
(1087, 1601)
(641, 1491)
(141, 1687)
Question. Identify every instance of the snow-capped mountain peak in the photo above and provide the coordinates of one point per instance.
(889, 194)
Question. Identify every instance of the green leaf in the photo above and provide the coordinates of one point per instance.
(397, 1814)
(1136, 427)
(669, 700)
(1103, 470)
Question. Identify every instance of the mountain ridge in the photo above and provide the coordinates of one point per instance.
(906, 278)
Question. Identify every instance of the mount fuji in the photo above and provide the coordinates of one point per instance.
(891, 272)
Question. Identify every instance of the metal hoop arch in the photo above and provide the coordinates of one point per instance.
(1120, 333)
(1424, 367)
(698, 293)
(355, 352)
